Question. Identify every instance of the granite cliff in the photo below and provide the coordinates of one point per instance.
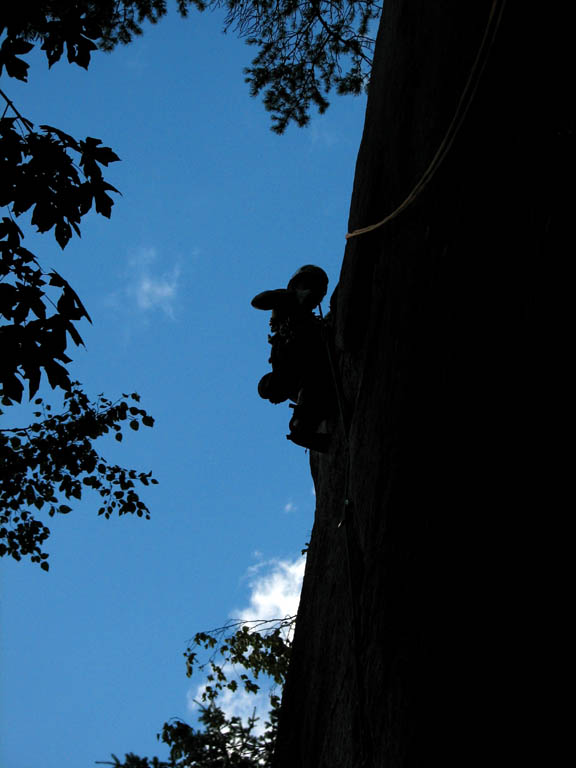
(415, 626)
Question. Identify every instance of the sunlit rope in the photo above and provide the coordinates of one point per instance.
(464, 103)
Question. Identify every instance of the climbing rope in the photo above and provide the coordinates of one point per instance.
(464, 103)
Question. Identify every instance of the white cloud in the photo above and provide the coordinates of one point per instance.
(275, 590)
(290, 507)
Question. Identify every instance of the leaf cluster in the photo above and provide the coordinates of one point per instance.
(54, 460)
(59, 180)
(261, 648)
(39, 310)
(34, 325)
(55, 176)
(222, 742)
(76, 28)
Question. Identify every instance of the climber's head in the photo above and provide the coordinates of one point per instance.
(310, 284)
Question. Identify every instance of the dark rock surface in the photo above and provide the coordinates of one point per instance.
(420, 615)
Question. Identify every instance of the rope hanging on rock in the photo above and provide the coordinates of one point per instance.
(464, 103)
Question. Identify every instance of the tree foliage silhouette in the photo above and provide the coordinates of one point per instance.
(305, 48)
(237, 662)
(55, 179)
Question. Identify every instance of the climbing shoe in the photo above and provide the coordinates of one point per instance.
(277, 299)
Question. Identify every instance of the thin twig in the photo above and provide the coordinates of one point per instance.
(20, 117)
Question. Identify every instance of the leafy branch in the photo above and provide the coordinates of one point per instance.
(55, 175)
(53, 461)
(306, 48)
(260, 646)
(56, 179)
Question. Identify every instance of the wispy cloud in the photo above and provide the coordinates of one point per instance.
(157, 291)
(151, 287)
(320, 136)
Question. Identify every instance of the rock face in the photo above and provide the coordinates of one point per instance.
(416, 622)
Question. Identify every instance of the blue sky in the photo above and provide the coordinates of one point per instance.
(214, 209)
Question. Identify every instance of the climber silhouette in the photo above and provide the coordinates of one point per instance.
(300, 366)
